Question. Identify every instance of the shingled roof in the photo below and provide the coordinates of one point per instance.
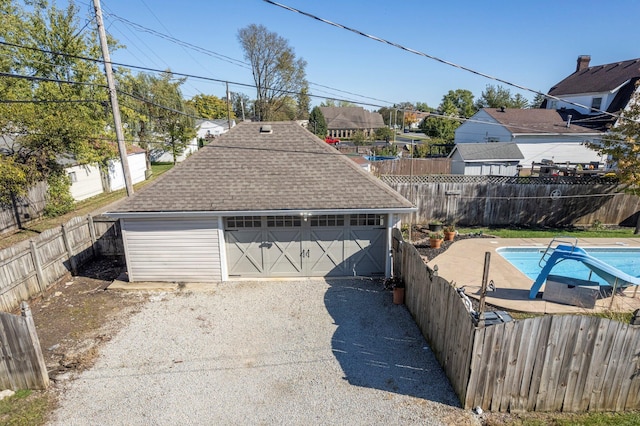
(534, 121)
(248, 169)
(495, 151)
(347, 118)
(598, 78)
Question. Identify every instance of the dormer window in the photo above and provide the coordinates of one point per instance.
(596, 103)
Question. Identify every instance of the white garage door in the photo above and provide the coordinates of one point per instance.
(172, 250)
(289, 246)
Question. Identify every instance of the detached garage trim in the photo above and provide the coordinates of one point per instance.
(265, 200)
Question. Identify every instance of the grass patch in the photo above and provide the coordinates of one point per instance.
(552, 232)
(81, 208)
(566, 419)
(26, 408)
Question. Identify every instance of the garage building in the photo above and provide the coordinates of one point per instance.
(264, 200)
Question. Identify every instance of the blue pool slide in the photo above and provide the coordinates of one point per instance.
(613, 276)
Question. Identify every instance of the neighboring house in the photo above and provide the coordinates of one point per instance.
(205, 129)
(343, 122)
(596, 88)
(486, 159)
(541, 134)
(86, 181)
(137, 160)
(265, 200)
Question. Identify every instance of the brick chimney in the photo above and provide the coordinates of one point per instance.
(583, 62)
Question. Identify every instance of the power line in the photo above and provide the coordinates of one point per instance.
(253, 86)
(237, 62)
(435, 58)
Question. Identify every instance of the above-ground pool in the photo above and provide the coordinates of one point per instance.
(526, 260)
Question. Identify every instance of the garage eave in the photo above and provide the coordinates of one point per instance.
(297, 212)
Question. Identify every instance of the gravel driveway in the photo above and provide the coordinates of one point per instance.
(269, 352)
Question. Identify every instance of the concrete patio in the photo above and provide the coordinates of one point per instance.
(463, 263)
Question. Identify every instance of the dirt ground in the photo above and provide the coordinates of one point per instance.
(77, 314)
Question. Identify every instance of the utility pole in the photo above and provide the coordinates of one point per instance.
(122, 148)
(228, 106)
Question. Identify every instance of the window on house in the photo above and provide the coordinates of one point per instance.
(327, 220)
(243, 222)
(367, 220)
(73, 177)
(596, 103)
(553, 104)
(284, 221)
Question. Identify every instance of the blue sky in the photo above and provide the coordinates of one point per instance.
(534, 44)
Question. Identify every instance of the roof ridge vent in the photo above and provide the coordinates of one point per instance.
(266, 128)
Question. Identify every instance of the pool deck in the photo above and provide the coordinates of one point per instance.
(463, 263)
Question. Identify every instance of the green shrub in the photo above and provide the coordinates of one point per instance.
(59, 199)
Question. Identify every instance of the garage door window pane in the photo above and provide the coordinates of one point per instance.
(243, 222)
(367, 220)
(327, 220)
(283, 221)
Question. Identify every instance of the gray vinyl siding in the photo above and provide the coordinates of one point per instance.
(172, 250)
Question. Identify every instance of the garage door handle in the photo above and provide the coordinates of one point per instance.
(305, 253)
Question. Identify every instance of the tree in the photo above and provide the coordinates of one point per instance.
(240, 104)
(410, 117)
(209, 106)
(317, 123)
(303, 102)
(333, 104)
(622, 144)
(455, 104)
(359, 138)
(173, 120)
(496, 97)
(537, 101)
(71, 122)
(276, 71)
(384, 134)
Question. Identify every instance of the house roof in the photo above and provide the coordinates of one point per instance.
(504, 151)
(246, 170)
(598, 78)
(534, 121)
(346, 118)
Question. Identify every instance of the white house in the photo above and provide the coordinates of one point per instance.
(205, 130)
(540, 134)
(592, 91)
(136, 158)
(86, 181)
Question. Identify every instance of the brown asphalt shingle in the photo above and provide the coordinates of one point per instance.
(534, 120)
(598, 78)
(245, 170)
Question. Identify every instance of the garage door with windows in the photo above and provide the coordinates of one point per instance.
(306, 246)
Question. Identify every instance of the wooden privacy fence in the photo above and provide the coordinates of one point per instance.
(525, 201)
(548, 363)
(30, 267)
(411, 166)
(23, 210)
(22, 365)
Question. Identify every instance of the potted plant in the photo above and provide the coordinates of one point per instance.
(435, 239)
(435, 225)
(398, 291)
(449, 232)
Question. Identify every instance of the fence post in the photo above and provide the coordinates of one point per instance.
(37, 266)
(92, 232)
(483, 288)
(40, 374)
(70, 256)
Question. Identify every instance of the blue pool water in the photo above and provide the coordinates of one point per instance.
(526, 260)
